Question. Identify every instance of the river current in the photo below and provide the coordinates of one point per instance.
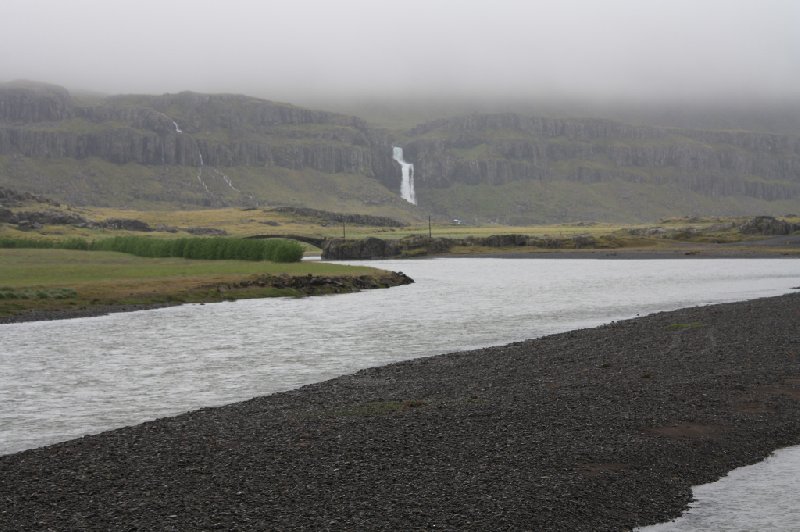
(63, 379)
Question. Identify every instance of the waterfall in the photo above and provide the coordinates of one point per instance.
(407, 184)
(226, 179)
(200, 168)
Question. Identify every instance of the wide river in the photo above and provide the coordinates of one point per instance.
(63, 379)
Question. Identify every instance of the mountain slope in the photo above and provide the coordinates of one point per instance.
(190, 149)
(199, 150)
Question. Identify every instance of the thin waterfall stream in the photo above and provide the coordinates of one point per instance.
(407, 184)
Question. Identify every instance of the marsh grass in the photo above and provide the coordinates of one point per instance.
(274, 250)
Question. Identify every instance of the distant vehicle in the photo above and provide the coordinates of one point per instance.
(456, 221)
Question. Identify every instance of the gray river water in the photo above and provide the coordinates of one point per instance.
(64, 379)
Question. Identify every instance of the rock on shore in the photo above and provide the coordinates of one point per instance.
(596, 429)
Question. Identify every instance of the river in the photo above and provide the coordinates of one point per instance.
(64, 379)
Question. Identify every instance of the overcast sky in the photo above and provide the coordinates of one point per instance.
(281, 49)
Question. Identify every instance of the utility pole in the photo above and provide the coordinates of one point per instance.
(344, 231)
(430, 231)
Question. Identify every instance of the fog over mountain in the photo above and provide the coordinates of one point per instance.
(737, 50)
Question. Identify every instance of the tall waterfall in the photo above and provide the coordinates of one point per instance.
(407, 184)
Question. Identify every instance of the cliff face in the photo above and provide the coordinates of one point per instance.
(187, 129)
(229, 149)
(191, 149)
(498, 149)
(33, 102)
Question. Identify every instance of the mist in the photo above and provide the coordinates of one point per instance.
(733, 50)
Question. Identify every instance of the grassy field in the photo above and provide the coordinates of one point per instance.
(245, 222)
(239, 222)
(57, 279)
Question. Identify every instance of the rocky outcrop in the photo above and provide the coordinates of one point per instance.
(316, 285)
(767, 225)
(206, 231)
(41, 217)
(26, 102)
(126, 224)
(14, 198)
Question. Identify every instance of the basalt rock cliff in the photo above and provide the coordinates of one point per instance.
(216, 130)
(192, 149)
(205, 135)
(499, 149)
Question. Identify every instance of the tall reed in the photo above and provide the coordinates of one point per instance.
(275, 249)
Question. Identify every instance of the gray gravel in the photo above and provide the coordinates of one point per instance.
(597, 429)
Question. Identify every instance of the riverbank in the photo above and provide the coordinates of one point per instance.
(49, 284)
(634, 254)
(596, 429)
(253, 287)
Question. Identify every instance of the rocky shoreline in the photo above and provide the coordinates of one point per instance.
(595, 429)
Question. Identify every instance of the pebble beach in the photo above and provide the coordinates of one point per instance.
(595, 429)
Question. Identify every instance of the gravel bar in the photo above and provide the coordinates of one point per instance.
(595, 429)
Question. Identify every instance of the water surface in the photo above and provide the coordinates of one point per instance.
(763, 496)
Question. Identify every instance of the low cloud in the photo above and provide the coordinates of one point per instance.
(672, 49)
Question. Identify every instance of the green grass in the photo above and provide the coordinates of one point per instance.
(58, 279)
(40, 293)
(54, 267)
